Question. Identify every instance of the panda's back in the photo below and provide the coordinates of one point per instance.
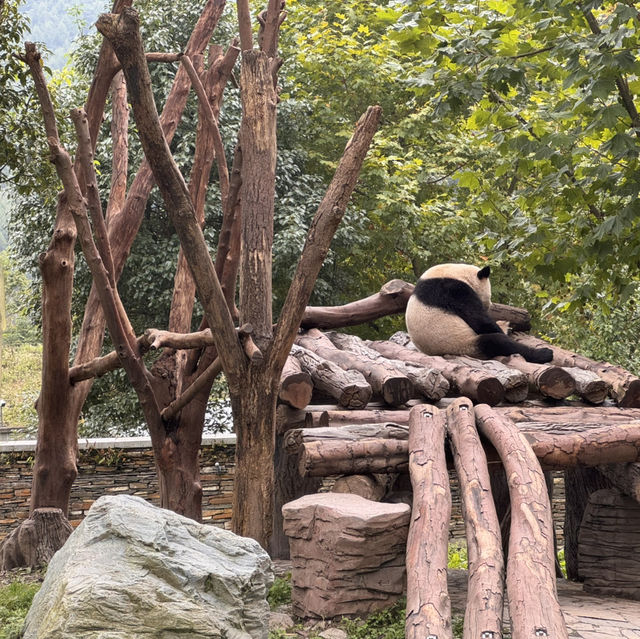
(437, 331)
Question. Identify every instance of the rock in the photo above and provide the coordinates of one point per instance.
(347, 554)
(333, 633)
(132, 570)
(608, 545)
(280, 621)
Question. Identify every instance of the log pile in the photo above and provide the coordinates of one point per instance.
(353, 372)
(379, 415)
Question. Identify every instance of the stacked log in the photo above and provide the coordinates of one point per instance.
(296, 385)
(348, 387)
(475, 383)
(385, 380)
(428, 381)
(547, 380)
(625, 387)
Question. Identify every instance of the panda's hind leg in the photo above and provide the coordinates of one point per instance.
(491, 345)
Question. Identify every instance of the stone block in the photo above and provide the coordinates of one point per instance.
(609, 545)
(347, 554)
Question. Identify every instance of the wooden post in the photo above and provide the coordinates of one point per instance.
(428, 603)
(531, 582)
(483, 616)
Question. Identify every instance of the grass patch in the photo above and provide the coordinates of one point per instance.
(386, 624)
(280, 592)
(15, 601)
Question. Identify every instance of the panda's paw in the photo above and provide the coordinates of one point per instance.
(541, 355)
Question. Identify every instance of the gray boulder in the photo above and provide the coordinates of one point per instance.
(135, 571)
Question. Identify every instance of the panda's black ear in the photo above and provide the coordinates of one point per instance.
(484, 273)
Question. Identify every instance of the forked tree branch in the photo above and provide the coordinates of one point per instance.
(123, 32)
(321, 232)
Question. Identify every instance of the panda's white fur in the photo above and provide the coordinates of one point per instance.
(448, 315)
(438, 332)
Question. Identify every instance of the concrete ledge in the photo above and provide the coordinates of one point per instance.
(105, 443)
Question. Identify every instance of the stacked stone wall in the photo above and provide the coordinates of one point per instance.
(114, 466)
(126, 466)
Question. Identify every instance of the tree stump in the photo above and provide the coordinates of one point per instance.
(347, 554)
(35, 540)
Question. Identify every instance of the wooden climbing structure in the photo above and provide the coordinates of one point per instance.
(373, 415)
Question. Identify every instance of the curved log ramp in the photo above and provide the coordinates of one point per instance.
(531, 582)
(483, 615)
(428, 603)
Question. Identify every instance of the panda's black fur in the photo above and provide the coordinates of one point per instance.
(447, 315)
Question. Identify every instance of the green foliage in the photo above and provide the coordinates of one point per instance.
(280, 592)
(386, 624)
(458, 558)
(15, 601)
(20, 376)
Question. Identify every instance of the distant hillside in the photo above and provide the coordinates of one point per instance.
(57, 23)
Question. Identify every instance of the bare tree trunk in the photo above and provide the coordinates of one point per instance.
(254, 416)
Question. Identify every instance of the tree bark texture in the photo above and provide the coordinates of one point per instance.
(258, 142)
(610, 530)
(485, 594)
(289, 485)
(531, 584)
(391, 299)
(296, 437)
(392, 385)
(324, 458)
(579, 484)
(428, 603)
(625, 386)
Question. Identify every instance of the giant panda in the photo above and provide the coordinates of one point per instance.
(447, 314)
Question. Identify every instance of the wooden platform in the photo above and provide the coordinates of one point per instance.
(587, 616)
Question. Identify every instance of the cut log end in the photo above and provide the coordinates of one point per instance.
(489, 391)
(397, 391)
(556, 383)
(631, 398)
